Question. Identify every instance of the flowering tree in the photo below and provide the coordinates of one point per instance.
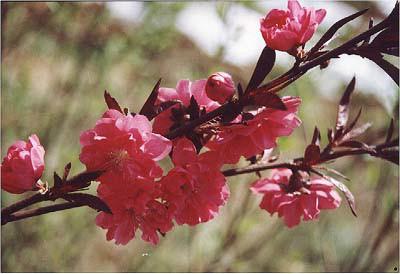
(201, 126)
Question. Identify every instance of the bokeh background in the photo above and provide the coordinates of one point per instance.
(57, 60)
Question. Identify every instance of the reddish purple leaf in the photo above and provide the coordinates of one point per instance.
(347, 193)
(67, 169)
(264, 66)
(343, 111)
(89, 200)
(148, 107)
(111, 102)
(269, 100)
(312, 154)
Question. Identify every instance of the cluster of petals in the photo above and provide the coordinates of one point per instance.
(123, 146)
(252, 137)
(286, 29)
(307, 201)
(127, 150)
(23, 166)
(220, 87)
(134, 206)
(184, 90)
(195, 187)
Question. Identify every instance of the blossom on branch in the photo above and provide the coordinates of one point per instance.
(183, 93)
(23, 166)
(134, 206)
(195, 187)
(220, 87)
(248, 138)
(287, 29)
(292, 199)
(124, 146)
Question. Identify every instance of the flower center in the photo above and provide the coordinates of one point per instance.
(119, 156)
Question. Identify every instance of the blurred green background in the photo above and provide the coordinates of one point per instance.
(57, 60)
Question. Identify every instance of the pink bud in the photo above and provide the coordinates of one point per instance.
(285, 30)
(220, 87)
(23, 166)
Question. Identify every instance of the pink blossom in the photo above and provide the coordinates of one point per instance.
(220, 87)
(23, 166)
(307, 201)
(254, 136)
(195, 187)
(134, 206)
(284, 30)
(183, 92)
(124, 146)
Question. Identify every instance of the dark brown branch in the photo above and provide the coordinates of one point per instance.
(38, 211)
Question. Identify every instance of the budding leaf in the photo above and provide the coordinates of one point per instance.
(89, 200)
(335, 27)
(312, 154)
(67, 169)
(264, 66)
(111, 102)
(354, 144)
(316, 137)
(352, 124)
(57, 180)
(343, 111)
(148, 107)
(269, 100)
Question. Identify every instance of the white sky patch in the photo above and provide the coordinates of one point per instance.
(131, 12)
(201, 23)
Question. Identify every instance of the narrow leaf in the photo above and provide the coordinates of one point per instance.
(343, 110)
(387, 41)
(148, 107)
(354, 144)
(330, 135)
(264, 66)
(335, 27)
(316, 137)
(67, 169)
(194, 109)
(352, 124)
(389, 68)
(347, 193)
(355, 132)
(57, 180)
(269, 100)
(111, 102)
(90, 200)
(390, 131)
(240, 90)
(85, 178)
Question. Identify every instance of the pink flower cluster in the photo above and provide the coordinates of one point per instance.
(286, 29)
(307, 200)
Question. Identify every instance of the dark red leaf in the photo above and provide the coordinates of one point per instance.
(316, 137)
(240, 90)
(111, 102)
(88, 199)
(194, 109)
(387, 41)
(148, 107)
(164, 106)
(335, 27)
(343, 110)
(312, 154)
(57, 180)
(67, 169)
(388, 67)
(269, 100)
(83, 179)
(330, 135)
(347, 193)
(264, 66)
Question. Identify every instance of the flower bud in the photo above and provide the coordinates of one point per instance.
(286, 30)
(23, 166)
(220, 87)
